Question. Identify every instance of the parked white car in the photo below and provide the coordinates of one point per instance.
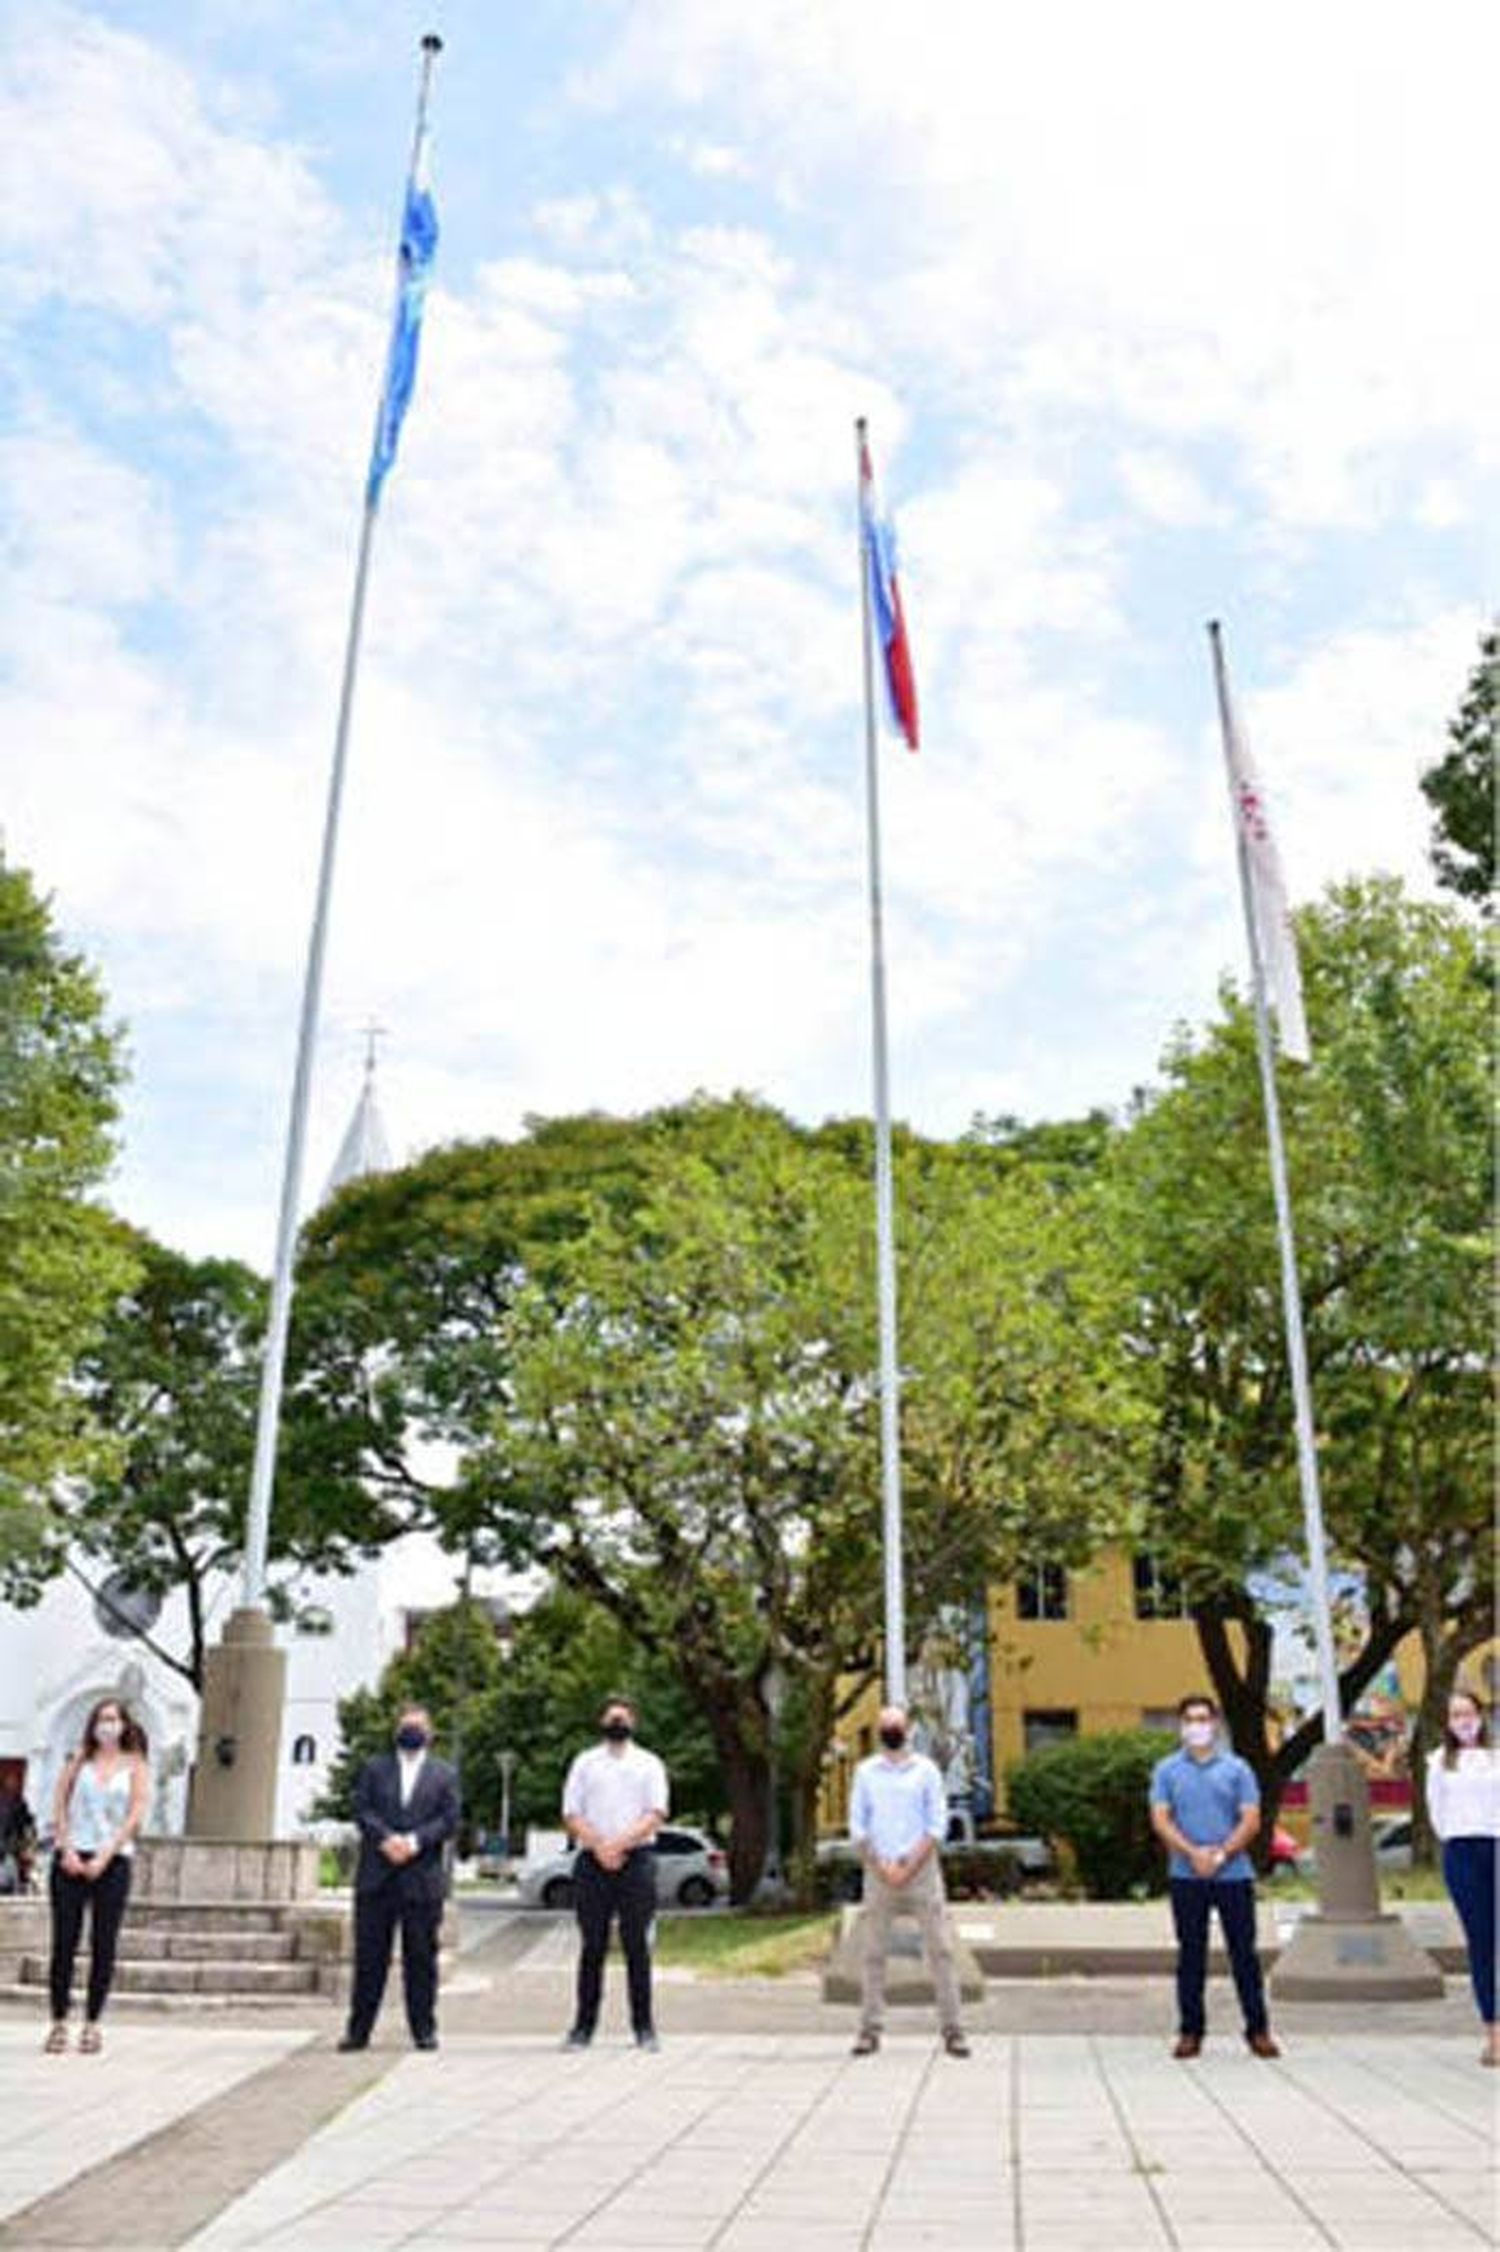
(691, 1872)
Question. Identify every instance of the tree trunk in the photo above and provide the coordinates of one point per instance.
(747, 1781)
(1245, 1698)
(807, 1783)
(1445, 1645)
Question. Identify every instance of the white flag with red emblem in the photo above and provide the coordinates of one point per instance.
(1269, 905)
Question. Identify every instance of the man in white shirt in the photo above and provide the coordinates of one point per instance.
(614, 1802)
(898, 1817)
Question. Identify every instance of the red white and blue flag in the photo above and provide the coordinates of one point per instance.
(885, 603)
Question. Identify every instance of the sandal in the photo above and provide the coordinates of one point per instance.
(56, 2042)
(90, 2041)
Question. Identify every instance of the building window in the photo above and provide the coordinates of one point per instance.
(1042, 1728)
(1158, 1592)
(305, 1751)
(1042, 1593)
(1163, 1718)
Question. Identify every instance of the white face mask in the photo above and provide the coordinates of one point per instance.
(107, 1733)
(1197, 1734)
(1465, 1726)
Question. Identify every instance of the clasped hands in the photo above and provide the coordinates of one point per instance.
(899, 1872)
(1207, 1860)
(73, 1866)
(611, 1853)
(398, 1849)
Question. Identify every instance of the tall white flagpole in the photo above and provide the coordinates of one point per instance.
(273, 1368)
(885, 1217)
(1291, 1296)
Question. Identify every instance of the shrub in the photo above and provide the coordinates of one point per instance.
(1090, 1794)
(970, 1872)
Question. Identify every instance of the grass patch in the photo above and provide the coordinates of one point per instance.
(736, 1946)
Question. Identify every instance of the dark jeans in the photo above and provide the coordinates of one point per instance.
(600, 1895)
(376, 1915)
(1193, 1900)
(103, 1899)
(1469, 1873)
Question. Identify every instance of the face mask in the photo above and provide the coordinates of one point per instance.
(618, 1731)
(412, 1738)
(1465, 1726)
(1198, 1734)
(893, 1738)
(107, 1733)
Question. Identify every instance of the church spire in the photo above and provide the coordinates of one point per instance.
(365, 1147)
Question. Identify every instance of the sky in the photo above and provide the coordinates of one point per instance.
(1156, 315)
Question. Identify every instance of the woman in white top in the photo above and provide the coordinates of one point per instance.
(102, 1796)
(1463, 1800)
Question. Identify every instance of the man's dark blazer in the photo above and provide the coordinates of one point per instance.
(430, 1816)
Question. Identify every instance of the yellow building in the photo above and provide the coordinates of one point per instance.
(1075, 1652)
(1107, 1646)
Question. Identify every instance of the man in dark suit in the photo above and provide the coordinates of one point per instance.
(406, 1805)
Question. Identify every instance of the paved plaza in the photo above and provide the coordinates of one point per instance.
(752, 2143)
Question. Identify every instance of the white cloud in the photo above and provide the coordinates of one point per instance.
(1279, 233)
(604, 835)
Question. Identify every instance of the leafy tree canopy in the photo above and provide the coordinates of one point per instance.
(61, 1257)
(1460, 786)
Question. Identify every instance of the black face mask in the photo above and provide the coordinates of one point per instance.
(412, 1739)
(894, 1739)
(618, 1731)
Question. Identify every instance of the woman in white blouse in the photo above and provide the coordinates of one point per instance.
(102, 1796)
(1463, 1800)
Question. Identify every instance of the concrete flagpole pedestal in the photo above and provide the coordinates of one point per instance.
(908, 1981)
(1349, 1950)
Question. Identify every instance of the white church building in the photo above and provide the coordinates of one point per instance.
(84, 1641)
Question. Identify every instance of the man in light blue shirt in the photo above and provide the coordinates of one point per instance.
(1205, 1808)
(898, 1817)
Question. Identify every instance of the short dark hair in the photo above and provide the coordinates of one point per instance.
(619, 1698)
(1196, 1697)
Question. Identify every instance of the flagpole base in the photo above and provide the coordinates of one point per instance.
(239, 1734)
(1350, 1950)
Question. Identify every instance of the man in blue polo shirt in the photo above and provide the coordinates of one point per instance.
(1205, 1808)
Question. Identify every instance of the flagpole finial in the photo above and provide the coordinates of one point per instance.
(431, 43)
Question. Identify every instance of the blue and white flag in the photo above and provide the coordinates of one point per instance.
(419, 239)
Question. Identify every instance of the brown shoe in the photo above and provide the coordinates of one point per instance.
(1188, 2045)
(1261, 2045)
(865, 2043)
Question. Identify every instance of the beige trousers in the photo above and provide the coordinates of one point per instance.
(921, 1896)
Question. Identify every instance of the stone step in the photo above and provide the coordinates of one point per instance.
(217, 1977)
(206, 1915)
(30, 1998)
(148, 1946)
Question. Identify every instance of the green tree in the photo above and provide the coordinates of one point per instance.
(535, 1696)
(1092, 1794)
(1389, 1147)
(172, 1381)
(1460, 786)
(690, 1435)
(60, 1256)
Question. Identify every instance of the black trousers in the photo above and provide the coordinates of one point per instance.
(600, 1895)
(103, 1900)
(1193, 1901)
(376, 1916)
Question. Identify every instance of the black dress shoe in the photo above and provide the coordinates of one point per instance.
(354, 2041)
(425, 2041)
(647, 2039)
(577, 2039)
